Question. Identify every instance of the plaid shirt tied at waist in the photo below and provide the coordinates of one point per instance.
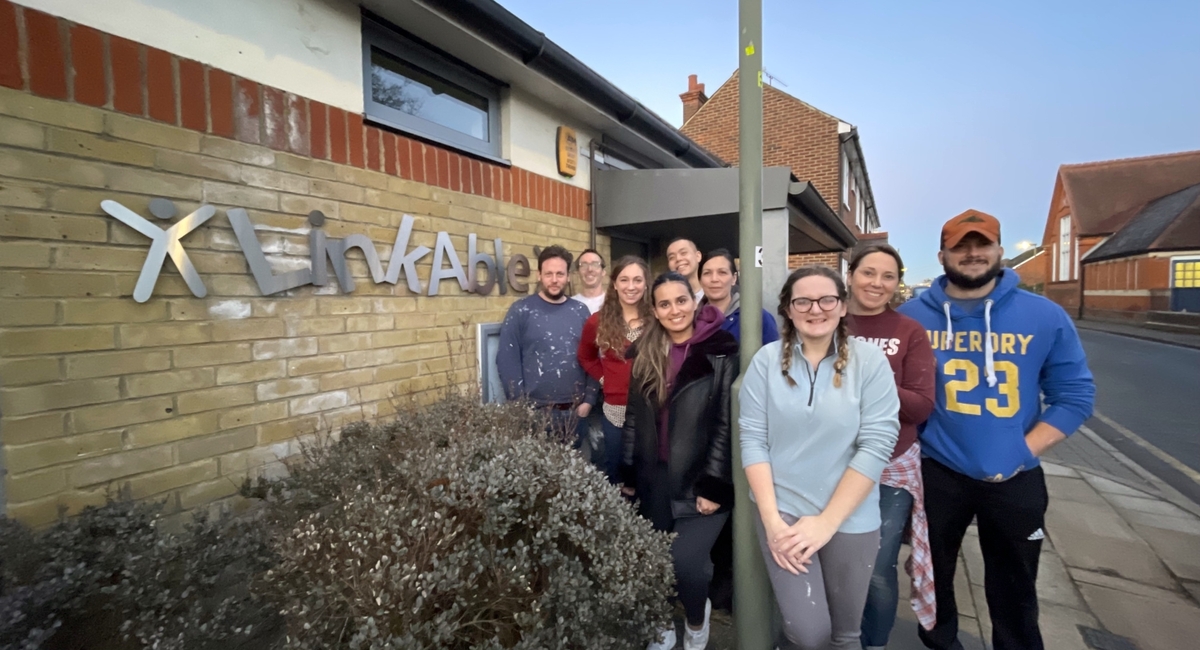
(905, 473)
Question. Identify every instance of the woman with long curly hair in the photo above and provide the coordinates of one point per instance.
(818, 424)
(675, 454)
(606, 336)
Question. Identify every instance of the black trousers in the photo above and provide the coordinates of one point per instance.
(1011, 520)
(692, 549)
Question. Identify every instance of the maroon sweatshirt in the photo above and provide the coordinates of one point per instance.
(906, 345)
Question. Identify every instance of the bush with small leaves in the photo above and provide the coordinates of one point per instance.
(113, 578)
(456, 526)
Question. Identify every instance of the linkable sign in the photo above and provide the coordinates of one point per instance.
(324, 252)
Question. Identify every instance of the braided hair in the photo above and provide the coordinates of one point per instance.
(789, 336)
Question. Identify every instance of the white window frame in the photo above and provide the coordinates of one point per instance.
(845, 177)
(415, 53)
(1064, 248)
(1171, 266)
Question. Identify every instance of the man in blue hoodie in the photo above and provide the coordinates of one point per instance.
(998, 349)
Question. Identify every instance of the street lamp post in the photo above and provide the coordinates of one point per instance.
(753, 607)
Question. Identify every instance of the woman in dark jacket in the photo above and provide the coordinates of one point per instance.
(676, 439)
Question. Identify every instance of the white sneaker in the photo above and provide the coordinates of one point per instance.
(666, 640)
(697, 639)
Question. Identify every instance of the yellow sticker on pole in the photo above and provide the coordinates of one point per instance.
(760, 78)
(750, 49)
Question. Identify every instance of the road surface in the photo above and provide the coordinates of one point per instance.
(1148, 399)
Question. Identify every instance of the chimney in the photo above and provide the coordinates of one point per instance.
(693, 99)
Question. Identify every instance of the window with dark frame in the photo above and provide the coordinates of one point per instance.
(416, 89)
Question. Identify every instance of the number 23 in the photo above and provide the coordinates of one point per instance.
(1010, 388)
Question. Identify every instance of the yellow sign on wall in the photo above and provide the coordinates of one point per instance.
(568, 151)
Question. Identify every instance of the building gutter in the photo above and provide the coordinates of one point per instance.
(497, 26)
(810, 200)
(852, 138)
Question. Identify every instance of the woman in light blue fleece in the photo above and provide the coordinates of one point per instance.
(819, 418)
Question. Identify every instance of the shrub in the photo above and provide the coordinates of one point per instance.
(461, 526)
(113, 578)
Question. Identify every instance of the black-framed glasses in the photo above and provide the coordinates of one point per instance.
(804, 305)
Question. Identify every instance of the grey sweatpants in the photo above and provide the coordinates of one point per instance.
(823, 609)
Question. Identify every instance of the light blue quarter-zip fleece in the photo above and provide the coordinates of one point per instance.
(811, 432)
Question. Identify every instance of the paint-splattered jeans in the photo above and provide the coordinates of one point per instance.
(822, 609)
(895, 506)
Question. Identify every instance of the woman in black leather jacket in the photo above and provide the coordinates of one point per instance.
(676, 439)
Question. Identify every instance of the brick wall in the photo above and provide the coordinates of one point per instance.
(832, 260)
(180, 398)
(1118, 289)
(1036, 270)
(795, 135)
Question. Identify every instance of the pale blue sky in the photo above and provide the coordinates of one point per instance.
(960, 104)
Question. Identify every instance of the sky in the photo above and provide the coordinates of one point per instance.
(959, 104)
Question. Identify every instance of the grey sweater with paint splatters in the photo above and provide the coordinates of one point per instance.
(537, 355)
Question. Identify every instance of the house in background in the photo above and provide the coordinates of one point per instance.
(818, 147)
(1032, 267)
(1123, 237)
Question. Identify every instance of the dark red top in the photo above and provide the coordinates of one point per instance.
(612, 366)
(906, 345)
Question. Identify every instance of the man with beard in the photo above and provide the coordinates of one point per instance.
(998, 348)
(536, 358)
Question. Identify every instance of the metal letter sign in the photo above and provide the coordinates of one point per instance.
(164, 242)
(324, 252)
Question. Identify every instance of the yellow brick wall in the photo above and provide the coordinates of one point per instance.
(180, 398)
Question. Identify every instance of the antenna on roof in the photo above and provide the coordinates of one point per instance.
(771, 79)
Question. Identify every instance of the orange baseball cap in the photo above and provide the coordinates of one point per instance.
(970, 221)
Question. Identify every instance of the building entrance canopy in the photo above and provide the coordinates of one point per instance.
(702, 205)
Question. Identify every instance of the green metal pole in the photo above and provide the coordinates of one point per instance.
(753, 605)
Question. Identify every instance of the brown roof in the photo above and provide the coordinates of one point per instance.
(1104, 196)
(1168, 223)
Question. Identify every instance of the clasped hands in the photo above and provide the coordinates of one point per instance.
(793, 546)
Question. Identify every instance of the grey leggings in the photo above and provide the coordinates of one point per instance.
(824, 607)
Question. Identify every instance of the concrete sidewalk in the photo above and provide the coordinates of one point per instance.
(1118, 560)
(1140, 332)
(1120, 563)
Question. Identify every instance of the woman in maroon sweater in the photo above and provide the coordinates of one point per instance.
(875, 272)
(606, 336)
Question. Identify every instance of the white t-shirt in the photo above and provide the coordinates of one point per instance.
(593, 304)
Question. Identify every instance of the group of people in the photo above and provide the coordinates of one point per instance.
(861, 426)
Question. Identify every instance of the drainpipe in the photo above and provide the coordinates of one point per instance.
(592, 148)
(752, 588)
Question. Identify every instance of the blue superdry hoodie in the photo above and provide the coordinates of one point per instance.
(992, 364)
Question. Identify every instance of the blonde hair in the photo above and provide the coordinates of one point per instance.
(790, 336)
(650, 366)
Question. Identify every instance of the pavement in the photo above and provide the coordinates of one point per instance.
(1131, 330)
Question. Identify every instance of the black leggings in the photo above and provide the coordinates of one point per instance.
(693, 566)
(692, 547)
